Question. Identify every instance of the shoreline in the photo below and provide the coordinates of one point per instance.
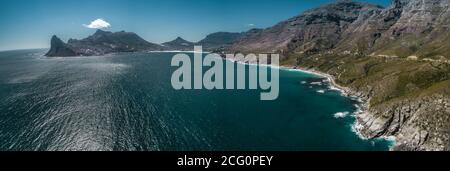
(362, 104)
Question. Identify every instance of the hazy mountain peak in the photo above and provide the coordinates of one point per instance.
(179, 44)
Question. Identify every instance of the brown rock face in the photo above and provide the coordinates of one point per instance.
(407, 27)
(313, 31)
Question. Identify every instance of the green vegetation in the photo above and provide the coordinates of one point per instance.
(384, 78)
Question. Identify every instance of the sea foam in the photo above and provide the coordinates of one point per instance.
(321, 91)
(341, 114)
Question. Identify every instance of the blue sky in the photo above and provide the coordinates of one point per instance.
(30, 23)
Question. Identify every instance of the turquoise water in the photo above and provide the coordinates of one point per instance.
(126, 102)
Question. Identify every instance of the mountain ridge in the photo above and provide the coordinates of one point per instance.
(101, 43)
(358, 28)
(104, 42)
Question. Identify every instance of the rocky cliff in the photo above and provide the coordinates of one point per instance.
(313, 31)
(407, 27)
(59, 48)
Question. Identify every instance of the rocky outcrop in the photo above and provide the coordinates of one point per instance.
(408, 100)
(101, 43)
(59, 48)
(417, 124)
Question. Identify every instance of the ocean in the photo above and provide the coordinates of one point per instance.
(125, 102)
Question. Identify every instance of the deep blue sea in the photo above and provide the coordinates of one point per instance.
(126, 102)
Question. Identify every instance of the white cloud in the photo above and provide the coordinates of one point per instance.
(98, 24)
(251, 25)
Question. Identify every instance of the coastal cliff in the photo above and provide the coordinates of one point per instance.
(396, 59)
(409, 100)
(59, 48)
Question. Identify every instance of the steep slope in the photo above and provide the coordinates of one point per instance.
(406, 28)
(59, 48)
(315, 30)
(219, 40)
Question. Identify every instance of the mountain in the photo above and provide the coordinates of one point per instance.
(314, 30)
(397, 59)
(179, 44)
(59, 48)
(219, 40)
(101, 43)
(406, 28)
(212, 42)
(105, 42)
